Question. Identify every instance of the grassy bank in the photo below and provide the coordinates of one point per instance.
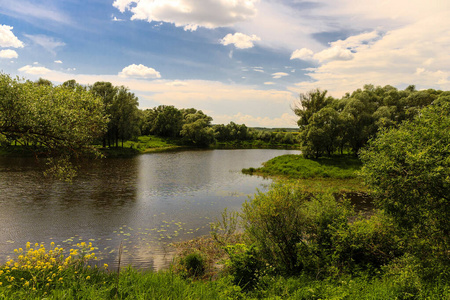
(40, 273)
(338, 173)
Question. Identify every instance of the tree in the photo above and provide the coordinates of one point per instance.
(409, 169)
(54, 121)
(42, 81)
(310, 103)
(168, 121)
(127, 117)
(196, 128)
(106, 91)
(122, 108)
(321, 134)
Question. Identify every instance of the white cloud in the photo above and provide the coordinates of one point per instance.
(48, 43)
(269, 83)
(239, 40)
(416, 53)
(190, 14)
(279, 75)
(333, 53)
(139, 71)
(28, 69)
(8, 39)
(339, 50)
(115, 19)
(303, 54)
(8, 53)
(58, 62)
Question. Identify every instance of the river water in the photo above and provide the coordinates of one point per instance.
(145, 202)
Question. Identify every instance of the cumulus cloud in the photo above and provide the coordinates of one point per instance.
(279, 75)
(412, 54)
(333, 53)
(8, 53)
(340, 49)
(8, 39)
(29, 69)
(189, 14)
(239, 40)
(58, 62)
(303, 54)
(139, 71)
(48, 43)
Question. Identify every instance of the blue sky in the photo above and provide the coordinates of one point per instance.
(237, 60)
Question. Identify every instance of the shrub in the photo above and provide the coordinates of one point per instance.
(292, 228)
(366, 244)
(244, 265)
(194, 264)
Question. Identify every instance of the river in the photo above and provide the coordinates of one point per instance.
(145, 202)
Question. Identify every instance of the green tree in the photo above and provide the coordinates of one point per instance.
(321, 134)
(42, 81)
(122, 108)
(167, 122)
(409, 169)
(196, 128)
(106, 91)
(55, 121)
(310, 103)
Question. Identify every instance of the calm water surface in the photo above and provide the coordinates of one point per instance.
(145, 202)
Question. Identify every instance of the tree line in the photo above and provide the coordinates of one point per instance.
(39, 114)
(329, 125)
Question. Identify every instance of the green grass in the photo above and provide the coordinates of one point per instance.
(143, 144)
(135, 284)
(296, 166)
(336, 174)
(38, 272)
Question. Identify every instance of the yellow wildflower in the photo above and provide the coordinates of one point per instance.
(88, 277)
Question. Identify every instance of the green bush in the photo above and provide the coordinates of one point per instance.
(366, 244)
(244, 265)
(293, 229)
(194, 264)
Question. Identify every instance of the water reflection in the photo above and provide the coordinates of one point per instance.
(145, 202)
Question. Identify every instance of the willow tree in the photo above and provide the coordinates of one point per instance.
(56, 122)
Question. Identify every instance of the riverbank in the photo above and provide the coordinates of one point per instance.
(338, 174)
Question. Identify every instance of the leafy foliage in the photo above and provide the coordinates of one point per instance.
(328, 125)
(409, 169)
(54, 121)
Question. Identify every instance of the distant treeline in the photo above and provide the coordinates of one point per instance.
(329, 125)
(34, 113)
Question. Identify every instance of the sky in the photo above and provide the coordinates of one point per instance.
(245, 61)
